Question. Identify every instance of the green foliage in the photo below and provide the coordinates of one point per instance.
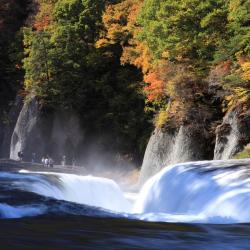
(187, 29)
(38, 63)
(74, 50)
(239, 25)
(64, 68)
(199, 35)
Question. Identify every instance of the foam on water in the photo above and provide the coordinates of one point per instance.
(200, 192)
(185, 193)
(88, 190)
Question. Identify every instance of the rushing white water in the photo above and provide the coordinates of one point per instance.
(7, 211)
(184, 192)
(206, 192)
(88, 190)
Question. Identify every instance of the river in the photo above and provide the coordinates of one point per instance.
(199, 205)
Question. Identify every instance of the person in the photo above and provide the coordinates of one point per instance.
(51, 162)
(43, 161)
(64, 160)
(46, 162)
(33, 159)
(19, 155)
(73, 162)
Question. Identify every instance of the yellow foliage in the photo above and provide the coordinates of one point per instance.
(137, 54)
(245, 71)
(102, 42)
(120, 28)
(161, 118)
(240, 95)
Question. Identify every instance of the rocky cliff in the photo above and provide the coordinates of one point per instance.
(170, 147)
(55, 133)
(233, 134)
(59, 132)
(7, 126)
(189, 143)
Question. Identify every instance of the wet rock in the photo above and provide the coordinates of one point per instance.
(8, 125)
(233, 134)
(169, 147)
(55, 133)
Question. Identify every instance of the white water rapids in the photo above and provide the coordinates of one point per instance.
(197, 192)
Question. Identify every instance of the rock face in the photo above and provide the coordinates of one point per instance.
(26, 134)
(8, 126)
(170, 147)
(56, 134)
(232, 135)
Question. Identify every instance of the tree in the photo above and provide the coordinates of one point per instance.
(65, 68)
(239, 25)
(37, 63)
(183, 30)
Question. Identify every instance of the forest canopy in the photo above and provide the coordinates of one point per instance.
(119, 63)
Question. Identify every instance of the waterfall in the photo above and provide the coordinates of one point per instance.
(87, 190)
(197, 191)
(193, 192)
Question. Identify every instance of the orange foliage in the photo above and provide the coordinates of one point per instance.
(44, 17)
(120, 28)
(134, 10)
(115, 20)
(222, 69)
(137, 55)
(41, 24)
(155, 88)
(120, 24)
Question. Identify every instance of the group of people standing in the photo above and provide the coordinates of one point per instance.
(47, 161)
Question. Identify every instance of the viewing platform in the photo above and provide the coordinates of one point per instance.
(13, 165)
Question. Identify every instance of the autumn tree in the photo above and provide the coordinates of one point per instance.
(64, 67)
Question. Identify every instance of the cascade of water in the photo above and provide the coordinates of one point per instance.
(211, 192)
(88, 190)
(198, 190)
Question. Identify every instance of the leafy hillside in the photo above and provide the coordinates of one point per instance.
(119, 63)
